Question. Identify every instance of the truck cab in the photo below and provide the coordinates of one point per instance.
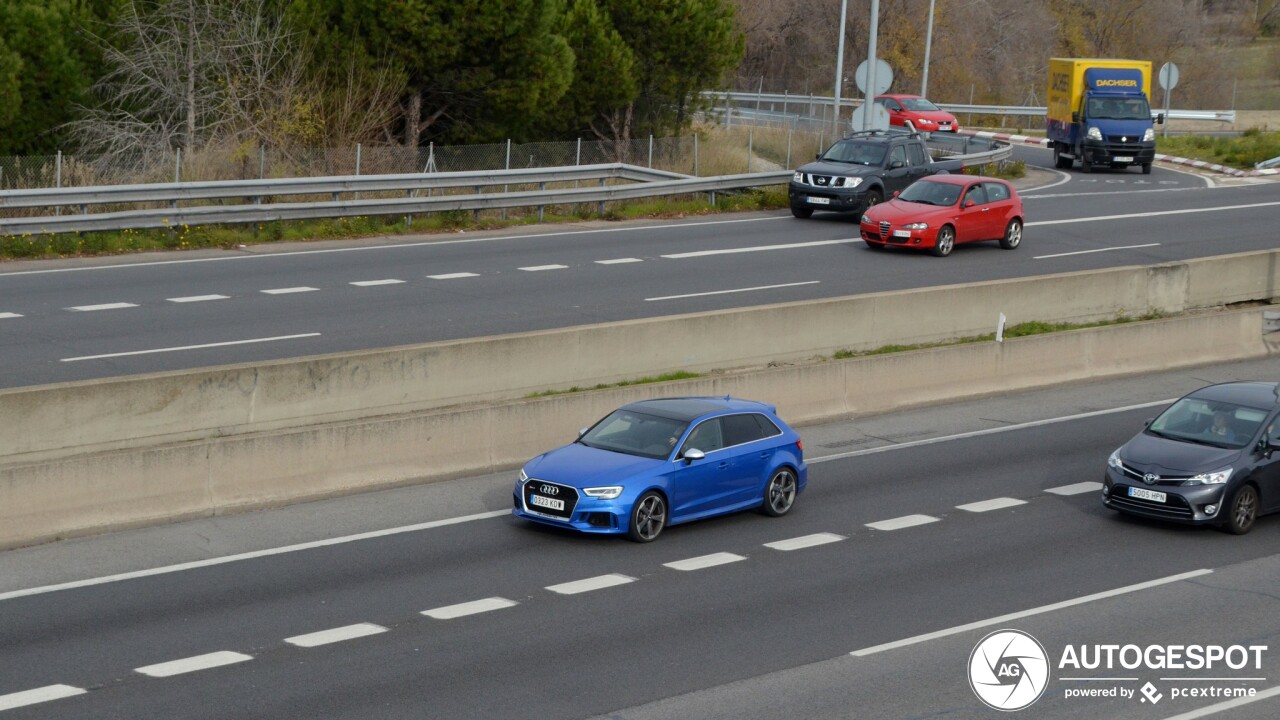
(1100, 115)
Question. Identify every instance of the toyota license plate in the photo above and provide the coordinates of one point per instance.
(1151, 495)
(1120, 158)
(818, 200)
(546, 502)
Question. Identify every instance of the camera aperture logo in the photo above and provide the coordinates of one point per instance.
(1008, 670)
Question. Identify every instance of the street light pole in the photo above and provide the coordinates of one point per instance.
(928, 43)
(844, 7)
(869, 94)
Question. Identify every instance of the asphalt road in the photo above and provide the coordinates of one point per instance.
(81, 319)
(767, 633)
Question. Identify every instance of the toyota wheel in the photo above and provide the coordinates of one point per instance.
(1242, 510)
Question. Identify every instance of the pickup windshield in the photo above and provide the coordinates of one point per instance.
(1105, 108)
(855, 153)
(927, 192)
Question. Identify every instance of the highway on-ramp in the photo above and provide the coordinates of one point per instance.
(92, 318)
(920, 533)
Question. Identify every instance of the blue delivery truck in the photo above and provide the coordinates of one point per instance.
(1099, 113)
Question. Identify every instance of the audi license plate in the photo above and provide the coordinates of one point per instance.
(1120, 158)
(546, 502)
(1151, 495)
(818, 200)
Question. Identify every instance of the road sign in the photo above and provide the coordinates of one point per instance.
(879, 117)
(1168, 76)
(884, 77)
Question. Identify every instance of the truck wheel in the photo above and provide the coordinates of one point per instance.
(874, 197)
(802, 212)
(1146, 168)
(1062, 163)
(1085, 166)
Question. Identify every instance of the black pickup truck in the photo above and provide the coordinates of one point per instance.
(861, 170)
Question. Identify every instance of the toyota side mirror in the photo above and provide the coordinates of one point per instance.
(692, 454)
(817, 156)
(1272, 444)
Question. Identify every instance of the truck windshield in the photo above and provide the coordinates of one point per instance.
(856, 153)
(1105, 108)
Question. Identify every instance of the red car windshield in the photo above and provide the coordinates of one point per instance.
(919, 104)
(927, 192)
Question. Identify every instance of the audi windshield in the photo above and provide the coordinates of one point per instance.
(634, 433)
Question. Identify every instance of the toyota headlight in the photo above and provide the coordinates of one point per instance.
(603, 493)
(917, 226)
(1094, 134)
(1113, 462)
(1149, 135)
(798, 177)
(1217, 477)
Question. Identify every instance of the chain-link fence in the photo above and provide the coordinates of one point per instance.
(712, 152)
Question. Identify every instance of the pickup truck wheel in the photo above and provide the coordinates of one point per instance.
(802, 212)
(1012, 235)
(945, 242)
(1146, 168)
(1062, 163)
(874, 197)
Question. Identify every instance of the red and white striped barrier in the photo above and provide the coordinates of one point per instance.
(1201, 164)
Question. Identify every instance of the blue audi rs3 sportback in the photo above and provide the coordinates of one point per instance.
(656, 463)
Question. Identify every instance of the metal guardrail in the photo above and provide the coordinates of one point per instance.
(747, 98)
(213, 190)
(1266, 164)
(652, 183)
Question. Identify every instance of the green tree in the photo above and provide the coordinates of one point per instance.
(475, 69)
(682, 47)
(605, 86)
(48, 65)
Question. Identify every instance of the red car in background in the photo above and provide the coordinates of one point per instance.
(941, 211)
(917, 113)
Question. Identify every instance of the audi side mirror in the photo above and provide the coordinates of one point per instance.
(692, 454)
(582, 431)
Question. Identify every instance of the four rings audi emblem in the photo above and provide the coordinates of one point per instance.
(548, 489)
(1151, 478)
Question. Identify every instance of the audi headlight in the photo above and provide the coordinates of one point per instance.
(850, 182)
(1113, 462)
(1217, 477)
(523, 475)
(1149, 135)
(603, 493)
(917, 226)
(798, 177)
(1094, 134)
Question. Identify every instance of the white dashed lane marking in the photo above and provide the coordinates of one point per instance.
(905, 521)
(325, 637)
(290, 291)
(540, 268)
(757, 248)
(704, 561)
(453, 276)
(993, 504)
(450, 612)
(6, 316)
(1075, 489)
(38, 695)
(190, 347)
(372, 283)
(104, 306)
(197, 298)
(805, 541)
(193, 664)
(618, 261)
(595, 583)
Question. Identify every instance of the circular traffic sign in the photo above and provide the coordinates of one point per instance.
(1168, 76)
(884, 77)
